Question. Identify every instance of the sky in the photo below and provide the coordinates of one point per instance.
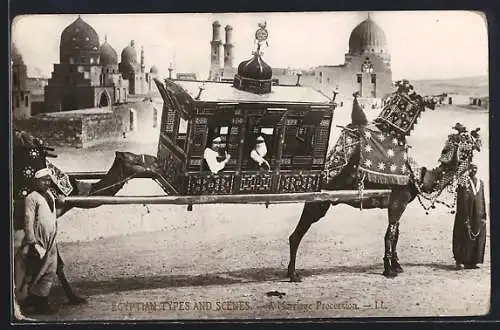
(422, 44)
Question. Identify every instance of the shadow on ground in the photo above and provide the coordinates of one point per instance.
(248, 275)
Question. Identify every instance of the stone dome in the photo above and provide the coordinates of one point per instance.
(79, 36)
(17, 59)
(255, 68)
(129, 55)
(108, 54)
(153, 69)
(367, 37)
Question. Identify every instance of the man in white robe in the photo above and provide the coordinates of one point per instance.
(212, 155)
(259, 152)
(36, 258)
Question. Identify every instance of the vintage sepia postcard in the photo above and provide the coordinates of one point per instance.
(250, 166)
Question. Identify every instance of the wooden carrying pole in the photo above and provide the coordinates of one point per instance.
(333, 196)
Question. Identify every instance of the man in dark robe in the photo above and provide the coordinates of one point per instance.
(469, 230)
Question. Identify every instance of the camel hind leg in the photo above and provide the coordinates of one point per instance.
(311, 213)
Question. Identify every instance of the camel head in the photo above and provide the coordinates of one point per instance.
(455, 159)
(135, 164)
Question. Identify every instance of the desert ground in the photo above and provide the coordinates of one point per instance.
(137, 262)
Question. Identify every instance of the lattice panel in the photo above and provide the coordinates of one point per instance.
(321, 138)
(298, 183)
(168, 125)
(172, 166)
(256, 182)
(210, 184)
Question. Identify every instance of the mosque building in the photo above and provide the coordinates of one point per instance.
(88, 74)
(90, 96)
(367, 66)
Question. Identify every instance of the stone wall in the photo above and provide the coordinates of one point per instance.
(97, 128)
(56, 132)
(88, 127)
(79, 129)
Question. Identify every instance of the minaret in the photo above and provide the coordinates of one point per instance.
(228, 49)
(143, 67)
(215, 44)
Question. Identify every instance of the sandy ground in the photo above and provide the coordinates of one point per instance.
(219, 261)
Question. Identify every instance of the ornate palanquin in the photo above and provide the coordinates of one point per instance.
(294, 120)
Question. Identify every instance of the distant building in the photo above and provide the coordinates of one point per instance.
(90, 97)
(80, 80)
(367, 66)
(457, 99)
(88, 74)
(482, 102)
(21, 98)
(139, 80)
(36, 86)
(226, 71)
(186, 76)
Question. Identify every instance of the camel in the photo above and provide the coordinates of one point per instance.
(454, 163)
(126, 165)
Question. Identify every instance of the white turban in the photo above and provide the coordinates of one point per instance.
(43, 172)
(217, 140)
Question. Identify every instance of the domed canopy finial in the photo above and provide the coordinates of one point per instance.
(260, 36)
(106, 38)
(255, 75)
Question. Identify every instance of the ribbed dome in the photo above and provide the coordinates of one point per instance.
(79, 36)
(254, 76)
(255, 68)
(17, 59)
(153, 69)
(108, 54)
(367, 37)
(129, 55)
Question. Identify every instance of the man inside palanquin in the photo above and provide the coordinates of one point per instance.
(215, 156)
(36, 259)
(259, 152)
(469, 230)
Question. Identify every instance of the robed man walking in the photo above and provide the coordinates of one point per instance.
(36, 259)
(469, 230)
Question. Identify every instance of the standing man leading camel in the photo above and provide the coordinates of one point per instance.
(469, 230)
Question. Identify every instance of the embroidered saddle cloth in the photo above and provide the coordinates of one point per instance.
(382, 159)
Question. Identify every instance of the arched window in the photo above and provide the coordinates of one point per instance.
(26, 101)
(91, 60)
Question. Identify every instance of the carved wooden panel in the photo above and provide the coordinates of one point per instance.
(171, 165)
(206, 184)
(256, 182)
(298, 183)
